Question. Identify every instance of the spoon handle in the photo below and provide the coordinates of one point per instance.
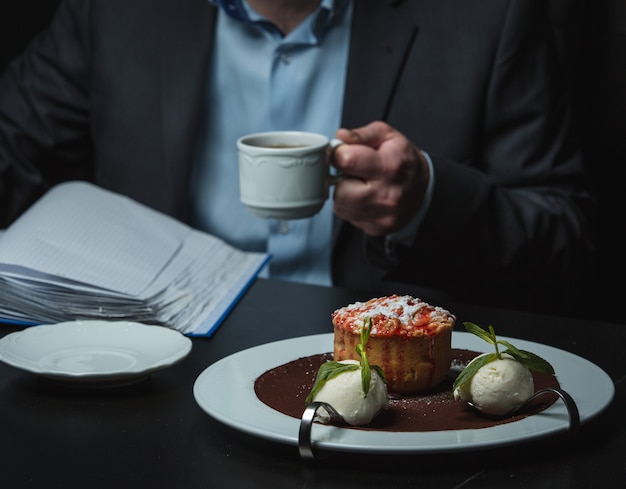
(570, 404)
(304, 434)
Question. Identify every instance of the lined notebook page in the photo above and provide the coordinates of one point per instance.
(84, 252)
(73, 231)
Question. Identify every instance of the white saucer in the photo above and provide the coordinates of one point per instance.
(94, 351)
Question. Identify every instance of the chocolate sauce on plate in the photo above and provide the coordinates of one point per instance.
(285, 388)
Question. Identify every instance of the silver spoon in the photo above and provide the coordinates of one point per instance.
(570, 404)
(304, 434)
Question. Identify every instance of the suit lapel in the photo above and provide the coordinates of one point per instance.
(187, 39)
(380, 40)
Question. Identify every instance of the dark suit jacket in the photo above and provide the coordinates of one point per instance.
(111, 92)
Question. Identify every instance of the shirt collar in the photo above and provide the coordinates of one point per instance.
(328, 10)
(234, 8)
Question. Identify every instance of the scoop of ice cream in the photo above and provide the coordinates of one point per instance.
(344, 393)
(498, 387)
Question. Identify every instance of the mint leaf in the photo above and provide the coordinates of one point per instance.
(526, 358)
(366, 373)
(379, 371)
(531, 361)
(327, 371)
(489, 337)
(331, 369)
(470, 370)
(514, 352)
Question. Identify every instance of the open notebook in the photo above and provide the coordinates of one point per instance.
(82, 252)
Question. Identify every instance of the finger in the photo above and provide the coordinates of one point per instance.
(357, 161)
(367, 218)
(372, 135)
(356, 201)
(352, 192)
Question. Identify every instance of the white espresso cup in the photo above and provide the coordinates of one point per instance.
(284, 174)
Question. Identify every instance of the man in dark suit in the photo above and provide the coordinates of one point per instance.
(461, 172)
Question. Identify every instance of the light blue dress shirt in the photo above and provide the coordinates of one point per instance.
(263, 81)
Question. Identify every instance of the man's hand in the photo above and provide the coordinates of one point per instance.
(384, 178)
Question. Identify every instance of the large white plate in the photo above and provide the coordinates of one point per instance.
(225, 391)
(94, 351)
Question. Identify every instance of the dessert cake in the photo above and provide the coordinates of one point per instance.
(410, 340)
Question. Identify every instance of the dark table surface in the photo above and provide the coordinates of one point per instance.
(154, 435)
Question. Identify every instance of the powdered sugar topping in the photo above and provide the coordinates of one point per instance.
(392, 315)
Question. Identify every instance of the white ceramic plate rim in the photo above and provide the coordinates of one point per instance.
(225, 391)
(146, 348)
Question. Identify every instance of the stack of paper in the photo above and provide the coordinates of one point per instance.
(82, 252)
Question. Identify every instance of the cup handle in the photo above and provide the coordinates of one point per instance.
(332, 145)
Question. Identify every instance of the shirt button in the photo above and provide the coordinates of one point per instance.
(283, 227)
(285, 58)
